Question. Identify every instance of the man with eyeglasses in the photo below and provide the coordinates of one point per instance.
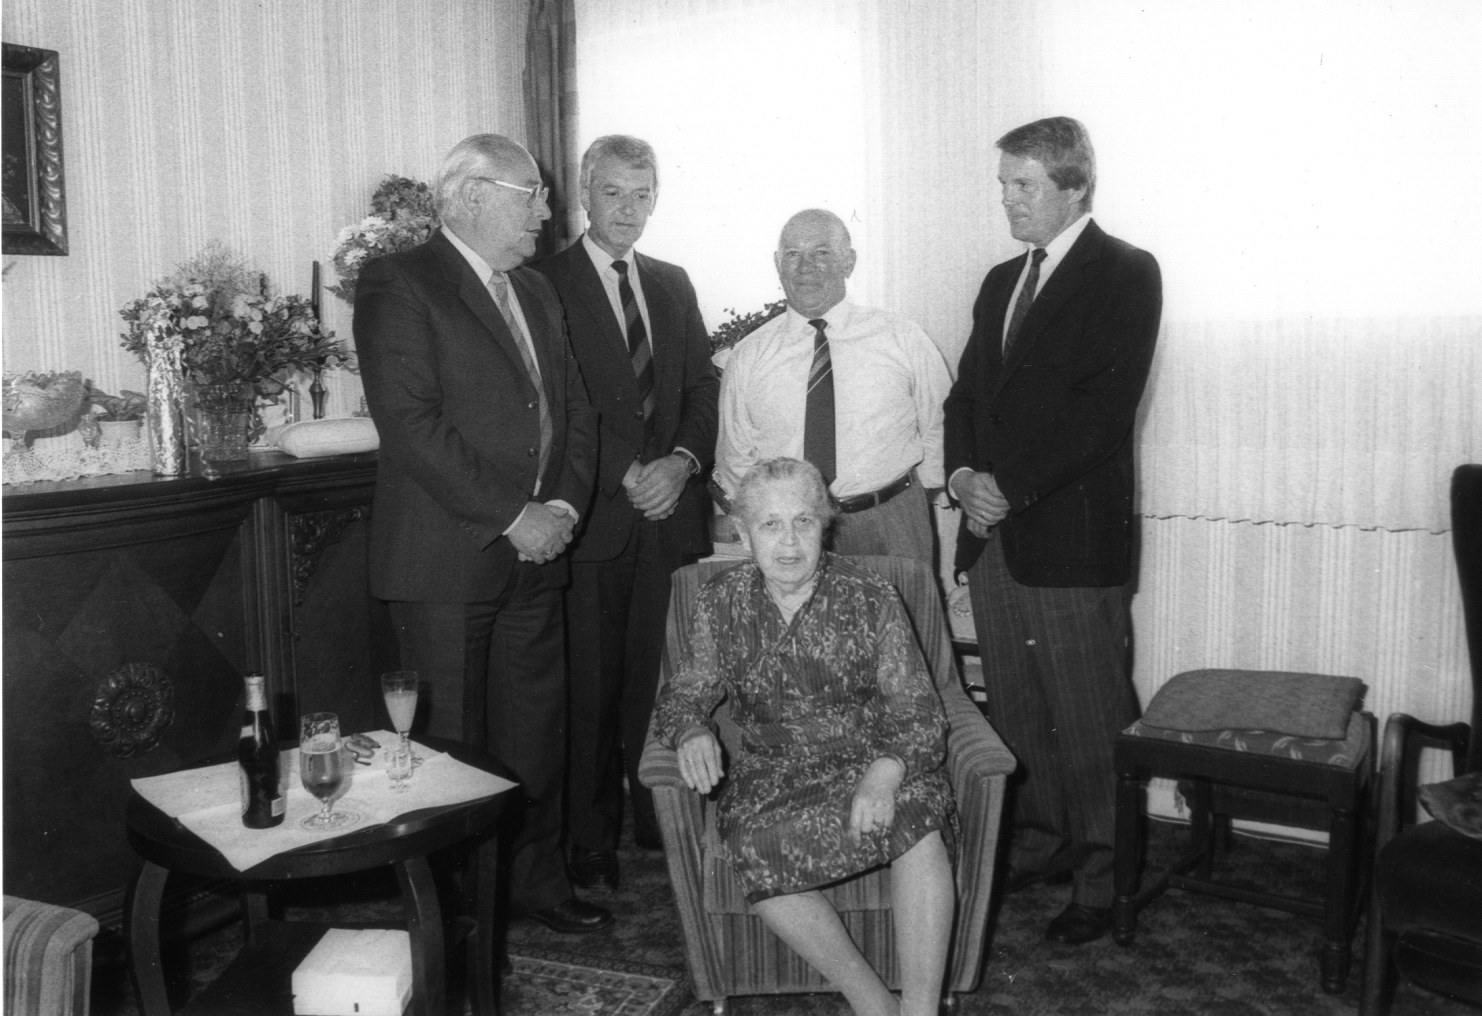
(637, 333)
(488, 454)
(855, 390)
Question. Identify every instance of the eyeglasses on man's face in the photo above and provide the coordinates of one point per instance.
(536, 194)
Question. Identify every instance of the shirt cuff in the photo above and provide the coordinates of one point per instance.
(955, 473)
(694, 462)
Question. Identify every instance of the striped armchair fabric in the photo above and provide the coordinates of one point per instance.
(48, 959)
(728, 950)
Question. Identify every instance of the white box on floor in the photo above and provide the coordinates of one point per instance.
(366, 972)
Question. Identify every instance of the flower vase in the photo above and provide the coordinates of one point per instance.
(219, 419)
(163, 399)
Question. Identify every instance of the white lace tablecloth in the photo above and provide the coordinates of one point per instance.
(207, 800)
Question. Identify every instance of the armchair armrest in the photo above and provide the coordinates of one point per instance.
(48, 958)
(659, 767)
(1404, 736)
(974, 749)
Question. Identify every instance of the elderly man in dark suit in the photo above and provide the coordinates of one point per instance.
(488, 452)
(1039, 454)
(636, 330)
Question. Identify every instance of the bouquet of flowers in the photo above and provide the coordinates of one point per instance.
(215, 314)
(402, 216)
(738, 326)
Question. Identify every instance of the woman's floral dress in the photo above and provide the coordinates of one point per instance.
(817, 700)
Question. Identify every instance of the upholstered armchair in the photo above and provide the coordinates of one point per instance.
(48, 959)
(727, 948)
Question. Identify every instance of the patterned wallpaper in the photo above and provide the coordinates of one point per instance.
(265, 124)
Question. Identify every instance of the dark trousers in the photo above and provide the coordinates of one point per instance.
(1056, 666)
(496, 674)
(616, 611)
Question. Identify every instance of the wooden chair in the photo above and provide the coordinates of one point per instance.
(729, 951)
(1423, 916)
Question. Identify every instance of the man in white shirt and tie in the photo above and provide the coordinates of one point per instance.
(855, 390)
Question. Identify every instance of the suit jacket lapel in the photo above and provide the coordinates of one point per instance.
(662, 319)
(1069, 276)
(477, 298)
(551, 371)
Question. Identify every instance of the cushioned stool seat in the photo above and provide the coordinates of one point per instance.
(1331, 771)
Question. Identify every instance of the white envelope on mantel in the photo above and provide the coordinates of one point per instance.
(207, 800)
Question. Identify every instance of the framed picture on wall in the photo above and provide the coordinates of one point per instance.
(35, 207)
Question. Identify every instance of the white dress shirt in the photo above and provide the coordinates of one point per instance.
(1055, 252)
(890, 381)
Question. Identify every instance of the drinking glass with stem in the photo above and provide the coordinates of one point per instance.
(321, 767)
(399, 689)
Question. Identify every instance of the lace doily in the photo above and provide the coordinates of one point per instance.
(68, 463)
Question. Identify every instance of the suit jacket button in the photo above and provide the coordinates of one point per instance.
(995, 419)
(530, 452)
(529, 405)
(637, 414)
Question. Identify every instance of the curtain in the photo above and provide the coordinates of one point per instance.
(1318, 362)
(551, 114)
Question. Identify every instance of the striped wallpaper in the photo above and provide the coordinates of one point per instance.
(263, 124)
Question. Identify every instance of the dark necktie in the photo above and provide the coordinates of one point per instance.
(1026, 297)
(499, 289)
(818, 422)
(638, 349)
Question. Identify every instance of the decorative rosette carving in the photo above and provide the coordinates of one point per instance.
(131, 709)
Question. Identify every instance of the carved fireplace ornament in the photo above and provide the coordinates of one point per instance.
(131, 709)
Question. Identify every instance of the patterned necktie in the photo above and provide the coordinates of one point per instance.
(1026, 297)
(638, 350)
(499, 289)
(818, 422)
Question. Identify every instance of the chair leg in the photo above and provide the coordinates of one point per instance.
(1126, 860)
(1337, 929)
(1202, 828)
(1378, 970)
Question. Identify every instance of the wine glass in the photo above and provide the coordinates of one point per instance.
(321, 766)
(399, 688)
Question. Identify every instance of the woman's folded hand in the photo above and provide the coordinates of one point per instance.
(873, 808)
(699, 761)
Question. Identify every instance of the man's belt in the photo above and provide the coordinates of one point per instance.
(863, 502)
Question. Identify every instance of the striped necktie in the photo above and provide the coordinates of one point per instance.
(1026, 297)
(638, 348)
(818, 421)
(499, 289)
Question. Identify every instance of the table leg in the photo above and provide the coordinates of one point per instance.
(483, 952)
(425, 923)
(142, 919)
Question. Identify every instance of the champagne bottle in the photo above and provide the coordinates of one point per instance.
(258, 765)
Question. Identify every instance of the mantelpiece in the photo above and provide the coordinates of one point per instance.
(132, 606)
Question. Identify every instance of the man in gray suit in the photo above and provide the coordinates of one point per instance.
(488, 452)
(637, 334)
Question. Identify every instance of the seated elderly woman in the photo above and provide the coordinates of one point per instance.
(843, 735)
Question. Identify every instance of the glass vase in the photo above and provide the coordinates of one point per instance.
(163, 413)
(219, 418)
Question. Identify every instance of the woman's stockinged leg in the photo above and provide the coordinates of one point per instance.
(923, 899)
(809, 924)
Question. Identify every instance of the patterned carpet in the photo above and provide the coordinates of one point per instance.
(1192, 954)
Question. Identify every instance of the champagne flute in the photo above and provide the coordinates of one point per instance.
(399, 689)
(321, 766)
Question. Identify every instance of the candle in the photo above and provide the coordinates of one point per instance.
(314, 292)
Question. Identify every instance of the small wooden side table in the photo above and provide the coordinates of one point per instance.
(258, 982)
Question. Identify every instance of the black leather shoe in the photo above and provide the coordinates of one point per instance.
(594, 869)
(573, 917)
(1079, 924)
(1016, 879)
